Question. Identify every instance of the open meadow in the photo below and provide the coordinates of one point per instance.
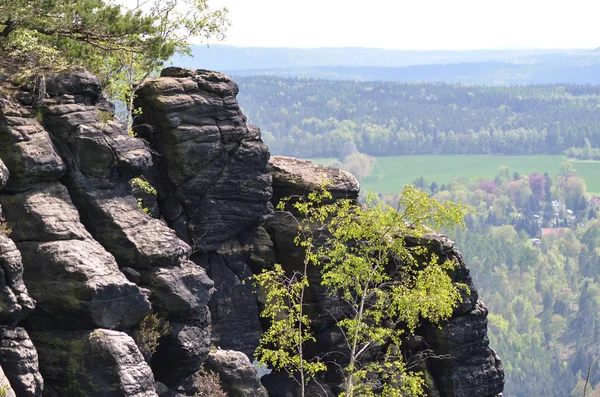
(391, 173)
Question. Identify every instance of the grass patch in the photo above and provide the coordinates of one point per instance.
(394, 172)
(590, 172)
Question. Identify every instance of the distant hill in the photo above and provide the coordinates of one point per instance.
(225, 57)
(484, 73)
(489, 67)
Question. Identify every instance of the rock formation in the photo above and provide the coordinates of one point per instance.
(83, 264)
(214, 187)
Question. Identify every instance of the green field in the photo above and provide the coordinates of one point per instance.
(394, 172)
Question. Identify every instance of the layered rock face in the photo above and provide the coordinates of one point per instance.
(76, 282)
(83, 264)
(214, 187)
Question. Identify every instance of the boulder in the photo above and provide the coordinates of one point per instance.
(26, 148)
(78, 83)
(295, 177)
(238, 376)
(15, 302)
(183, 292)
(98, 363)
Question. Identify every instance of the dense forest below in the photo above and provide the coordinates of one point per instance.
(533, 248)
(313, 118)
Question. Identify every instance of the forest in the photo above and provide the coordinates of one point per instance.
(532, 247)
(532, 241)
(311, 118)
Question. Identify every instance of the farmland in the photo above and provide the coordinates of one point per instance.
(393, 172)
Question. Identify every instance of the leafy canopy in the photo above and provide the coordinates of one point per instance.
(123, 46)
(386, 284)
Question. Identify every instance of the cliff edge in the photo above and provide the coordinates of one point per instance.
(84, 264)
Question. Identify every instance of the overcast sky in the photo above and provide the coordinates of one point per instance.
(414, 24)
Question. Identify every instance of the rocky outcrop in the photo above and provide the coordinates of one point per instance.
(101, 159)
(82, 263)
(471, 368)
(26, 148)
(88, 290)
(76, 282)
(214, 186)
(293, 177)
(212, 166)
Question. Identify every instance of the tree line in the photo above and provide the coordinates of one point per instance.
(314, 118)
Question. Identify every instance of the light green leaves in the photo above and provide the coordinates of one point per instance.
(281, 345)
(386, 285)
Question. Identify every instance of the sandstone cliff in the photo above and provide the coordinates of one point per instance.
(83, 263)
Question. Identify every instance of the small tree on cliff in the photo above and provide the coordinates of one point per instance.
(384, 286)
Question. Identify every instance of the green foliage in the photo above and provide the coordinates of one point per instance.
(314, 118)
(122, 46)
(281, 346)
(365, 262)
(5, 227)
(147, 333)
(39, 115)
(105, 117)
(143, 185)
(210, 384)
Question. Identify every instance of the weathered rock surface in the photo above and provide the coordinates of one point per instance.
(19, 360)
(212, 166)
(101, 158)
(100, 363)
(234, 308)
(3, 175)
(238, 375)
(15, 302)
(473, 368)
(79, 84)
(26, 148)
(295, 177)
(214, 186)
(76, 283)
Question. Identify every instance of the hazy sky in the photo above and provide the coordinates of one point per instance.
(414, 24)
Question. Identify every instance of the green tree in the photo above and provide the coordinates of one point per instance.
(122, 46)
(587, 149)
(366, 264)
(565, 168)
